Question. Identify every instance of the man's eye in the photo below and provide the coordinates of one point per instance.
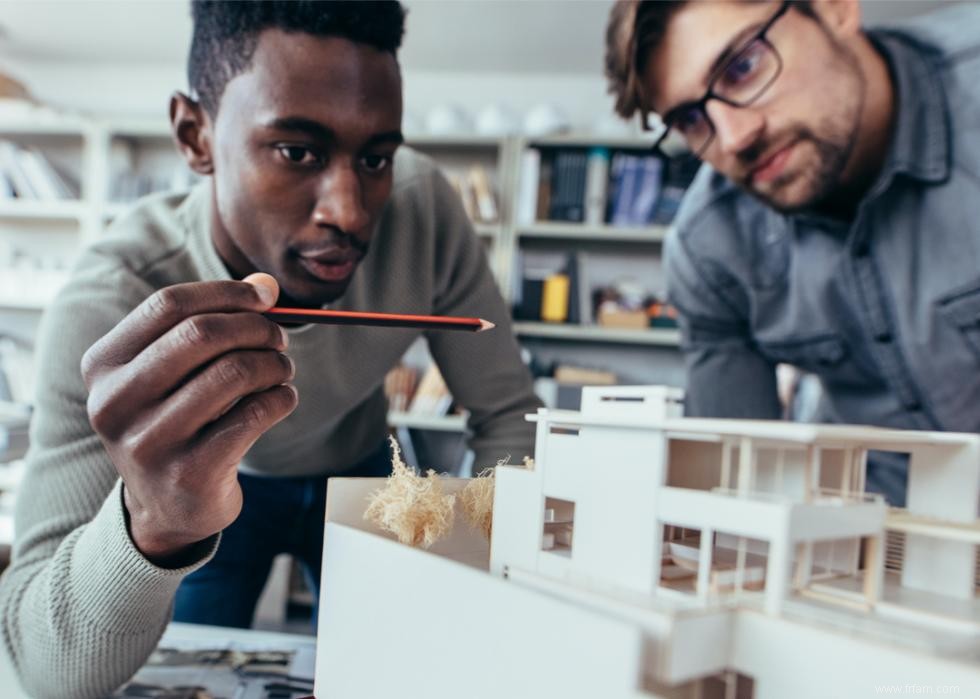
(688, 120)
(745, 64)
(375, 163)
(297, 155)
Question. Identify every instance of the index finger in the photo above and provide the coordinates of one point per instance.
(173, 304)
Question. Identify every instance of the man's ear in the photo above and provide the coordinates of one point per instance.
(842, 17)
(191, 128)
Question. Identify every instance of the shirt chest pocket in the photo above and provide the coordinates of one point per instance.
(963, 310)
(823, 355)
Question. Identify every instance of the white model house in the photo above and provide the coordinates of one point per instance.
(651, 555)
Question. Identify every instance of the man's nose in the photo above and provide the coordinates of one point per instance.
(736, 128)
(340, 203)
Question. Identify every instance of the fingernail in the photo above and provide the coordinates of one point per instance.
(285, 337)
(265, 294)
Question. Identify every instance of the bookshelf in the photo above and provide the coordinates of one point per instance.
(458, 157)
(50, 160)
(610, 253)
(114, 161)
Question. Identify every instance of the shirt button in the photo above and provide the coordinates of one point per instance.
(914, 406)
(884, 337)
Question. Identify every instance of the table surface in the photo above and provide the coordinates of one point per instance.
(215, 636)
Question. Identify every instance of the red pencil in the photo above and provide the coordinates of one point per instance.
(388, 320)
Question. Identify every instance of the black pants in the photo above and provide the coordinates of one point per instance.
(279, 515)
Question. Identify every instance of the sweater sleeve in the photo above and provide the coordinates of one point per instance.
(483, 370)
(80, 607)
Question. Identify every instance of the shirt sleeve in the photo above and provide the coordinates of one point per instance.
(80, 607)
(726, 375)
(483, 370)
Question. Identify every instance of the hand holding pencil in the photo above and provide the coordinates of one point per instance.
(195, 375)
(191, 377)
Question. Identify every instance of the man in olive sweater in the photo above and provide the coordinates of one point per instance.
(182, 439)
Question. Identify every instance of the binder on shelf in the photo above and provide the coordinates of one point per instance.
(586, 312)
(432, 397)
(486, 202)
(545, 177)
(554, 298)
(527, 306)
(645, 203)
(677, 178)
(570, 374)
(17, 369)
(400, 384)
(574, 268)
(45, 178)
(635, 186)
(529, 179)
(15, 420)
(476, 192)
(465, 195)
(6, 187)
(535, 268)
(27, 174)
(13, 171)
(568, 187)
(597, 186)
(622, 185)
(33, 169)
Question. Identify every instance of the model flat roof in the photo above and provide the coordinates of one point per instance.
(859, 436)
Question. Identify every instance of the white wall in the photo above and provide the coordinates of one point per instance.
(113, 88)
(126, 58)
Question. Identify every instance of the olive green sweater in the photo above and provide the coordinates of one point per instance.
(81, 607)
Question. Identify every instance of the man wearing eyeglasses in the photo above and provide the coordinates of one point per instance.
(835, 225)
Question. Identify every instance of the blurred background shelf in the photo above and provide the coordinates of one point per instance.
(438, 423)
(592, 232)
(487, 230)
(598, 333)
(39, 210)
(12, 303)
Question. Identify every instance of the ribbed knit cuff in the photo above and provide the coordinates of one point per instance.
(113, 581)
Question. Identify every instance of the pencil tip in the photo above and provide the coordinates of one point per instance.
(485, 325)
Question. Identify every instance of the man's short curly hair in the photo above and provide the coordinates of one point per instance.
(226, 33)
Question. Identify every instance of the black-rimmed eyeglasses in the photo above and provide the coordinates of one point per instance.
(687, 130)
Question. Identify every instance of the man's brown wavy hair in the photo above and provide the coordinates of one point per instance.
(635, 29)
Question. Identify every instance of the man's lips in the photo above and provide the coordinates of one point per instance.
(770, 168)
(330, 266)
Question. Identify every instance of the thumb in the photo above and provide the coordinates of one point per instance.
(265, 286)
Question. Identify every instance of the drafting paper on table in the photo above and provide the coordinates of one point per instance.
(184, 666)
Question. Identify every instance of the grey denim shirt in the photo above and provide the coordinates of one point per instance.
(884, 309)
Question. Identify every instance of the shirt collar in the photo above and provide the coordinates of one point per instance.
(920, 144)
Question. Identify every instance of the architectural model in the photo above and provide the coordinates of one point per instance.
(651, 555)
